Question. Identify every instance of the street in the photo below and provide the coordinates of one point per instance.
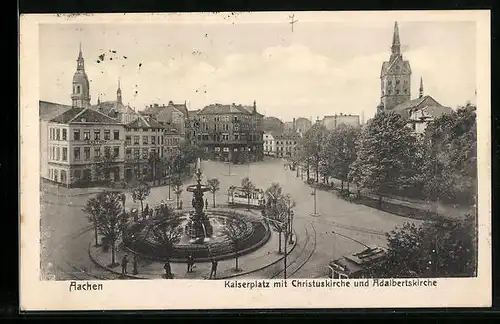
(66, 234)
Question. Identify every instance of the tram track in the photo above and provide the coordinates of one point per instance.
(309, 238)
(67, 270)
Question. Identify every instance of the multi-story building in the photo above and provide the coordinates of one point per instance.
(229, 132)
(171, 115)
(270, 143)
(77, 141)
(173, 139)
(287, 144)
(47, 111)
(144, 139)
(302, 125)
(331, 122)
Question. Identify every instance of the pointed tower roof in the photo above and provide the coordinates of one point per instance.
(421, 89)
(396, 45)
(395, 36)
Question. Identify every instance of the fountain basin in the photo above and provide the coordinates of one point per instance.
(255, 234)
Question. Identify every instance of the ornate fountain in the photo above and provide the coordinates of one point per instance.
(203, 236)
(198, 226)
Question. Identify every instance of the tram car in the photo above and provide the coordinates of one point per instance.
(238, 197)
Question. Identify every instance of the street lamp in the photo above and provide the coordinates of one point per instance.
(314, 193)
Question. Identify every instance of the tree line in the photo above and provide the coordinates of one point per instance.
(387, 157)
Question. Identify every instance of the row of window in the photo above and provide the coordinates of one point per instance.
(155, 140)
(287, 149)
(61, 153)
(281, 142)
(62, 134)
(389, 82)
(159, 130)
(225, 137)
(57, 175)
(226, 118)
(397, 91)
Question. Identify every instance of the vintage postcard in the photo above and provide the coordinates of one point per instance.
(255, 160)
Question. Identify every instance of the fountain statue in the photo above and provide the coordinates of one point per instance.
(198, 227)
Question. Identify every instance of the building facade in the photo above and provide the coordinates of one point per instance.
(144, 145)
(302, 125)
(229, 132)
(269, 144)
(84, 145)
(287, 144)
(331, 122)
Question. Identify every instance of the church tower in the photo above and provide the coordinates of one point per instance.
(80, 97)
(119, 93)
(395, 76)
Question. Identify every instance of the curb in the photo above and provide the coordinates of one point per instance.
(265, 266)
(94, 260)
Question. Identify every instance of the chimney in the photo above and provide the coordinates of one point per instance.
(254, 106)
(294, 125)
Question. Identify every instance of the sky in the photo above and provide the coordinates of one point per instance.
(321, 68)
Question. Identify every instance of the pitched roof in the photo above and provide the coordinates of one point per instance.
(49, 110)
(108, 106)
(436, 111)
(223, 109)
(84, 115)
(414, 103)
(144, 122)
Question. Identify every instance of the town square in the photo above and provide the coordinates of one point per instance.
(294, 179)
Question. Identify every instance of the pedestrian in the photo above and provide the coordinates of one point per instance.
(146, 211)
(168, 270)
(206, 203)
(124, 264)
(190, 263)
(213, 271)
(135, 263)
(180, 204)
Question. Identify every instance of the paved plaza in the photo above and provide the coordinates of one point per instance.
(67, 234)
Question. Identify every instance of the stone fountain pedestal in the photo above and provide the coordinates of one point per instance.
(198, 227)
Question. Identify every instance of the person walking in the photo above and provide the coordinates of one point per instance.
(190, 263)
(168, 270)
(213, 271)
(135, 264)
(124, 264)
(206, 203)
(146, 211)
(180, 204)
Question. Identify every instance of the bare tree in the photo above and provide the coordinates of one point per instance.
(214, 185)
(167, 232)
(141, 193)
(93, 211)
(177, 186)
(112, 219)
(248, 187)
(234, 231)
(276, 211)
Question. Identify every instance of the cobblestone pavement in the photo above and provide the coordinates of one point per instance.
(62, 221)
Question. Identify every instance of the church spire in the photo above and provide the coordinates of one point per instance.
(119, 93)
(80, 62)
(421, 89)
(396, 45)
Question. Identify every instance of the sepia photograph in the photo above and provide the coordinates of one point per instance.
(306, 151)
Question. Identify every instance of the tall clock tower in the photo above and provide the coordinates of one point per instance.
(395, 76)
